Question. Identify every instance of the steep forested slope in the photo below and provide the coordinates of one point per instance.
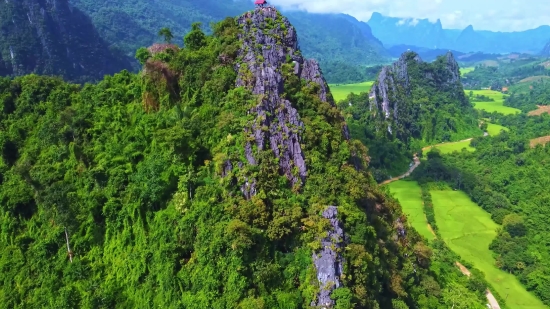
(221, 176)
(413, 103)
(50, 37)
(329, 38)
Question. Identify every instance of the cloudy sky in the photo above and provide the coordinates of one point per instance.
(496, 15)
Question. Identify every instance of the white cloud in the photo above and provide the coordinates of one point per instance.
(496, 15)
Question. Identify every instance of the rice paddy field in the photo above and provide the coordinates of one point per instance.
(494, 129)
(451, 147)
(341, 91)
(466, 70)
(409, 195)
(496, 106)
(468, 230)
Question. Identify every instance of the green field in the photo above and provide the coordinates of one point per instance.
(466, 70)
(468, 230)
(496, 106)
(409, 195)
(446, 148)
(341, 91)
(494, 129)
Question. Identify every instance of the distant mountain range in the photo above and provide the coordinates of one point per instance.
(130, 24)
(424, 33)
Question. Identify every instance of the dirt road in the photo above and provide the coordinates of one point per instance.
(490, 297)
(411, 169)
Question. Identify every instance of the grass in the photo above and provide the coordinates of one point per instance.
(466, 70)
(534, 79)
(341, 91)
(494, 129)
(409, 195)
(496, 106)
(451, 147)
(468, 230)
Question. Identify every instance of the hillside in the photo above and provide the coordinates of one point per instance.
(220, 176)
(336, 40)
(424, 33)
(545, 52)
(53, 38)
(412, 104)
(508, 179)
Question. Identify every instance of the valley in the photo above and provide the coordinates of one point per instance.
(161, 154)
(462, 224)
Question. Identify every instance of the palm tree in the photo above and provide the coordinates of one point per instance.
(167, 34)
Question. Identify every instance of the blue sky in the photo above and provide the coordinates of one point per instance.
(495, 15)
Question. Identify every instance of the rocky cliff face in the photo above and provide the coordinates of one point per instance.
(406, 92)
(270, 42)
(269, 51)
(51, 37)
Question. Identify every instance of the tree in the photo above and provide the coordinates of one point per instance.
(195, 39)
(514, 225)
(142, 55)
(167, 34)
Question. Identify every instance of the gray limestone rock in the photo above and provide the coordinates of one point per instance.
(268, 42)
(383, 100)
(328, 261)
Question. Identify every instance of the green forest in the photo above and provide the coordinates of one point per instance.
(117, 194)
(428, 107)
(517, 200)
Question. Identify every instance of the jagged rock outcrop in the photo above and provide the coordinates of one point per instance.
(408, 94)
(269, 41)
(53, 38)
(328, 261)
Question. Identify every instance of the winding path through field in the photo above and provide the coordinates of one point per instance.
(490, 297)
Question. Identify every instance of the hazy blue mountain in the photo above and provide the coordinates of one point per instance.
(545, 52)
(130, 24)
(424, 33)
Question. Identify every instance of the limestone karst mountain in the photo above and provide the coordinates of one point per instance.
(220, 176)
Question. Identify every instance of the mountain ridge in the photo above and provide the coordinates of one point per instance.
(396, 31)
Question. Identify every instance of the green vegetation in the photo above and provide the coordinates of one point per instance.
(466, 70)
(144, 173)
(53, 38)
(490, 101)
(495, 129)
(341, 91)
(508, 179)
(408, 193)
(446, 148)
(340, 43)
(505, 72)
(469, 230)
(424, 109)
(537, 94)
